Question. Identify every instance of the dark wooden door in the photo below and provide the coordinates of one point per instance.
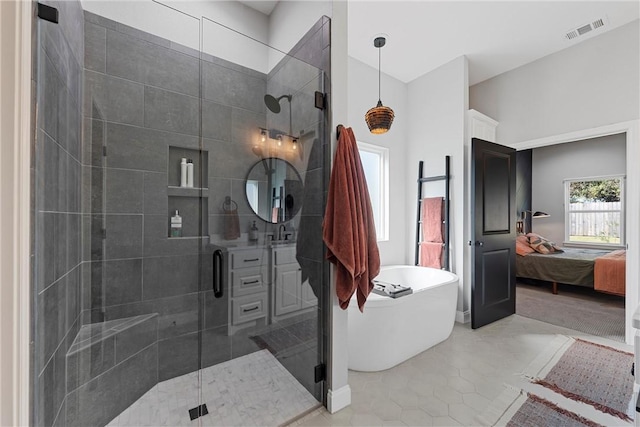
(493, 174)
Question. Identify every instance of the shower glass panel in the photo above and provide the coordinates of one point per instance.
(116, 282)
(266, 180)
(160, 296)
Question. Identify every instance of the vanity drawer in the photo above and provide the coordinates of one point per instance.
(250, 258)
(246, 281)
(284, 255)
(249, 307)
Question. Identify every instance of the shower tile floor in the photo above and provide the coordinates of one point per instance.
(252, 390)
(449, 384)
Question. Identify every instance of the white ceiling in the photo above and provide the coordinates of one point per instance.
(264, 6)
(496, 36)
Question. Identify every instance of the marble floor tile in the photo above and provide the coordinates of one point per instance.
(449, 384)
(252, 390)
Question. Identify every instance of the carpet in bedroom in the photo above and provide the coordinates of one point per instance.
(576, 308)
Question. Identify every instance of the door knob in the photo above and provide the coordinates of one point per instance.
(479, 243)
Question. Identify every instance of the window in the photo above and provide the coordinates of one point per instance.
(375, 162)
(594, 210)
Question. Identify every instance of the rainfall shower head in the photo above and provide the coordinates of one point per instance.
(273, 103)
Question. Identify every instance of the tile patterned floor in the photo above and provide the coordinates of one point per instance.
(449, 384)
(253, 390)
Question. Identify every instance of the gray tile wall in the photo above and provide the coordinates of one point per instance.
(57, 172)
(141, 112)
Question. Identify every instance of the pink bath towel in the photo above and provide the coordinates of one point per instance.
(431, 254)
(431, 216)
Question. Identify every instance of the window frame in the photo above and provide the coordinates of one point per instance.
(567, 222)
(382, 229)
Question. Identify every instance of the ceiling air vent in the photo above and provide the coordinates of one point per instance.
(584, 29)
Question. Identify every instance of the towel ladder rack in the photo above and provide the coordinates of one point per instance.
(421, 180)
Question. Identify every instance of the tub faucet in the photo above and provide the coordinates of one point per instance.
(281, 231)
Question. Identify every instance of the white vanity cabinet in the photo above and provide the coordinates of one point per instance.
(289, 294)
(248, 279)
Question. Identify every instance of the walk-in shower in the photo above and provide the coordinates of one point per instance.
(136, 320)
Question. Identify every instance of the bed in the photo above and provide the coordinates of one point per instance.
(573, 266)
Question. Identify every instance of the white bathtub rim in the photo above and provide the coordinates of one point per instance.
(375, 300)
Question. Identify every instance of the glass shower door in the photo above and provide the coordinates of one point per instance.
(264, 139)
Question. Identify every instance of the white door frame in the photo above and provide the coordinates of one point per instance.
(15, 189)
(632, 200)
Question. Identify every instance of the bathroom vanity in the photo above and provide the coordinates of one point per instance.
(288, 293)
(265, 283)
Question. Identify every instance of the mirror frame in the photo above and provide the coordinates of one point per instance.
(262, 163)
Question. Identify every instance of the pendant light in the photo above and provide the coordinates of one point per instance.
(379, 118)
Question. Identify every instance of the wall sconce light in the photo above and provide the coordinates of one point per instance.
(522, 223)
(379, 118)
(273, 142)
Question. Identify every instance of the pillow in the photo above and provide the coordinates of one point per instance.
(523, 248)
(542, 245)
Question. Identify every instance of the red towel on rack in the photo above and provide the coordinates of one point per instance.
(431, 254)
(348, 228)
(431, 216)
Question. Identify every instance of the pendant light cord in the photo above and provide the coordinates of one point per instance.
(379, 49)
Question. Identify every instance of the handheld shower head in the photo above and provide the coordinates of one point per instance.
(273, 103)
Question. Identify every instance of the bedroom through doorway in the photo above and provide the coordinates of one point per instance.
(557, 278)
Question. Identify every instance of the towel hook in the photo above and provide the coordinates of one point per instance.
(228, 204)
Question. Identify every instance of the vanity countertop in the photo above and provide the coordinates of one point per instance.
(245, 244)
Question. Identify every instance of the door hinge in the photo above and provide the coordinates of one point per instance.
(104, 233)
(104, 151)
(198, 411)
(320, 372)
(47, 13)
(320, 100)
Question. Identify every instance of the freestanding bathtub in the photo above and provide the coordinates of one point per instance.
(390, 331)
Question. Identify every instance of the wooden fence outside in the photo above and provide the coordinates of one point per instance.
(601, 219)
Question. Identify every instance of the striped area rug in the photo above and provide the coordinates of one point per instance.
(595, 374)
(572, 382)
(537, 411)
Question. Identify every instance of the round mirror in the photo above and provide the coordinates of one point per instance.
(274, 190)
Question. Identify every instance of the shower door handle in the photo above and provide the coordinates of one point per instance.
(218, 274)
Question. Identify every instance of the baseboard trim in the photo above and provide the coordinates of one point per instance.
(463, 316)
(338, 399)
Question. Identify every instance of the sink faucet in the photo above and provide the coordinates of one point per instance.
(281, 231)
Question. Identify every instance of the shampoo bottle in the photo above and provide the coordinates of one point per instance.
(176, 225)
(190, 173)
(183, 172)
(253, 232)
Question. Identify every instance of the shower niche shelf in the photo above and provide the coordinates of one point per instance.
(191, 202)
(173, 191)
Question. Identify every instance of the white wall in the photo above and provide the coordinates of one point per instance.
(339, 394)
(363, 94)
(591, 84)
(437, 105)
(553, 164)
(588, 90)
